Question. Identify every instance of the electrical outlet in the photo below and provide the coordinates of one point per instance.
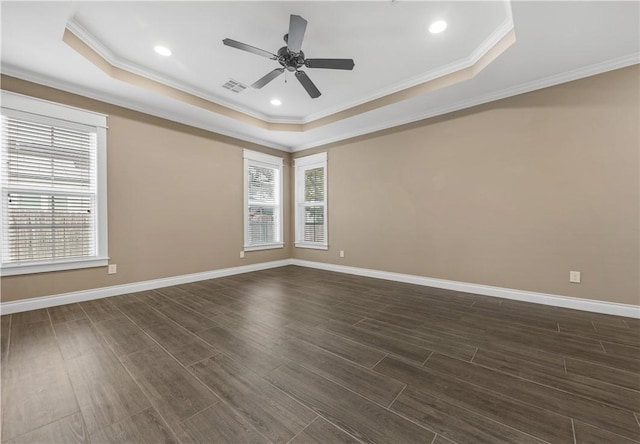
(113, 269)
(341, 253)
(574, 277)
(242, 255)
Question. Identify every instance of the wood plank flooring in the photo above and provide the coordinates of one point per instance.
(296, 355)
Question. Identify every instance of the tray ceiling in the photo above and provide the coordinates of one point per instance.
(402, 73)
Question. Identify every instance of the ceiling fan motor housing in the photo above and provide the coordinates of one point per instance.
(291, 61)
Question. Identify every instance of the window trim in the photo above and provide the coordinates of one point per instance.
(44, 110)
(266, 160)
(302, 164)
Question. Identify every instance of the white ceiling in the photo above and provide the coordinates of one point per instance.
(389, 41)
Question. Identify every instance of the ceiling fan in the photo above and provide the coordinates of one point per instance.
(292, 58)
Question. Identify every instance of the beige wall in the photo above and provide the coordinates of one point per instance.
(513, 194)
(174, 198)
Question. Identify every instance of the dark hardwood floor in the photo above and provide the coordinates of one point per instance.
(296, 355)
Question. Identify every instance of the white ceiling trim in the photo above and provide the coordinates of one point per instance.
(19, 73)
(92, 42)
(599, 68)
(494, 38)
(587, 71)
(467, 62)
(546, 82)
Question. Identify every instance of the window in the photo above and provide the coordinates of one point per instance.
(311, 201)
(53, 187)
(263, 201)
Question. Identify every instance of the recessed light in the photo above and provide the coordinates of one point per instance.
(276, 102)
(162, 50)
(437, 27)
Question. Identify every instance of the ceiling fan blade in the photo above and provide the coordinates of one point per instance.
(330, 63)
(249, 48)
(307, 84)
(297, 27)
(266, 79)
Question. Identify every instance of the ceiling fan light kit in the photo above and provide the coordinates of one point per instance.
(291, 58)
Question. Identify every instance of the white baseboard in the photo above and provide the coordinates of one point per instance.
(612, 308)
(105, 292)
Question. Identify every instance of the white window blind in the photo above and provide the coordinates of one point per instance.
(263, 201)
(50, 195)
(311, 201)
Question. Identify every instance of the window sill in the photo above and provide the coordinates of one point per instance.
(313, 246)
(264, 247)
(34, 267)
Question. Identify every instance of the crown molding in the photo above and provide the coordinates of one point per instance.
(90, 40)
(29, 76)
(98, 54)
(468, 62)
(599, 68)
(546, 82)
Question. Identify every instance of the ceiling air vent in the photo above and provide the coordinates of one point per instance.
(234, 86)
